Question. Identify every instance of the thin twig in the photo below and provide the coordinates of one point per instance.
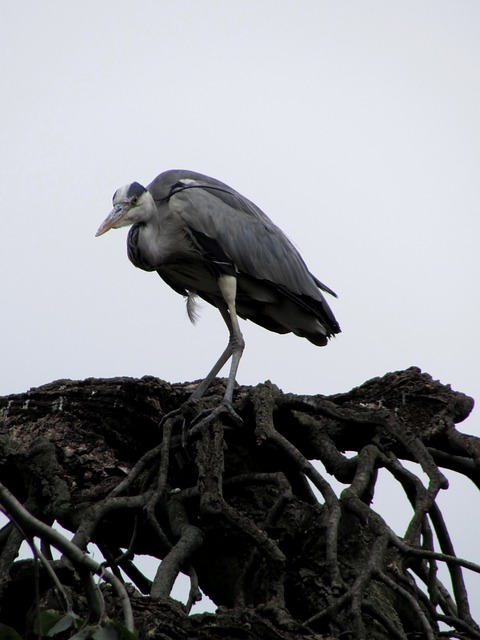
(76, 556)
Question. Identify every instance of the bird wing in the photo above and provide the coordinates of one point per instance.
(236, 228)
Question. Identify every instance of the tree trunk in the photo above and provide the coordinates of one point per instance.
(242, 511)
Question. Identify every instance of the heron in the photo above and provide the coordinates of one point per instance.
(204, 239)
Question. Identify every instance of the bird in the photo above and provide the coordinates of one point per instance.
(205, 239)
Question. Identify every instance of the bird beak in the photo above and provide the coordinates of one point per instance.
(113, 218)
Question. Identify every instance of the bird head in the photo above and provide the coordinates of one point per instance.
(131, 204)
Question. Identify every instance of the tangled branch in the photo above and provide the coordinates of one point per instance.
(245, 512)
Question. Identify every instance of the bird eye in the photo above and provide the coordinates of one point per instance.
(134, 200)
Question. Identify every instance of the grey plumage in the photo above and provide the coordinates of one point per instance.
(200, 235)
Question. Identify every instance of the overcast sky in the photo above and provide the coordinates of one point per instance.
(353, 125)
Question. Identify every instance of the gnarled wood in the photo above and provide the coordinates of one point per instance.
(235, 510)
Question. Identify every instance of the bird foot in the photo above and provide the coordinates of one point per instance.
(207, 416)
(193, 424)
(181, 414)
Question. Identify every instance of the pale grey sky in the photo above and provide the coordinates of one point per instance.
(354, 125)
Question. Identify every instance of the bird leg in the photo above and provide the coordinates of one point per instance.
(228, 287)
(203, 386)
(233, 350)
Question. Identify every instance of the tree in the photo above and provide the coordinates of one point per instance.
(244, 512)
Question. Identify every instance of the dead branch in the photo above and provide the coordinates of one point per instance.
(235, 508)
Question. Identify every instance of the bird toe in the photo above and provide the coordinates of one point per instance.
(210, 415)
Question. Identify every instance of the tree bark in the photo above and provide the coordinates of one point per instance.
(242, 511)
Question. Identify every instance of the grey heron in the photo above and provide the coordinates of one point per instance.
(205, 239)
